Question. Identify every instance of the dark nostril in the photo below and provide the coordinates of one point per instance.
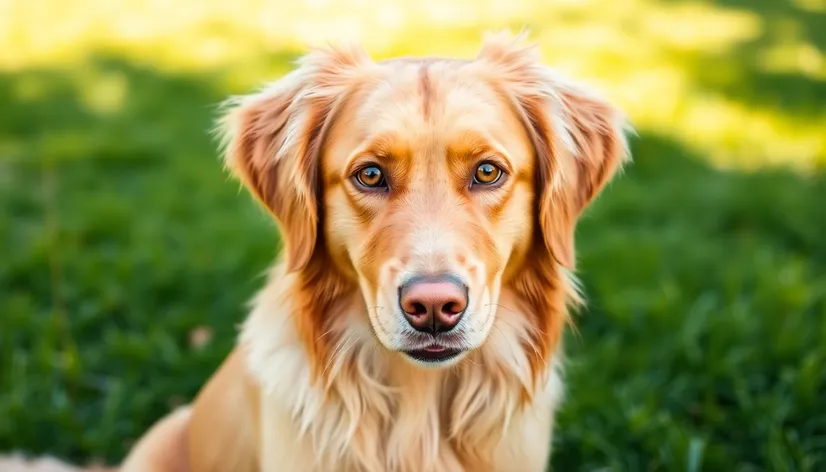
(418, 309)
(452, 308)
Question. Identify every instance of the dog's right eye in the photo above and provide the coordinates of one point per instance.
(371, 177)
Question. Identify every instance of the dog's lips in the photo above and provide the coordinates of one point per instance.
(435, 348)
(434, 353)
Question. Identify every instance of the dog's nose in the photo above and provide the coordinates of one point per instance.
(433, 304)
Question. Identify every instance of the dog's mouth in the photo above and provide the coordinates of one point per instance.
(433, 354)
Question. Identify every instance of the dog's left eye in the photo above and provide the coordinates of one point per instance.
(371, 177)
(487, 174)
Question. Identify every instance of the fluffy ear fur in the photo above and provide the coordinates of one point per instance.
(272, 141)
(578, 136)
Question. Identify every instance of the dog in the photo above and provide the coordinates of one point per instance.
(428, 209)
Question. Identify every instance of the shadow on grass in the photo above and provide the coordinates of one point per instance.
(791, 34)
(122, 238)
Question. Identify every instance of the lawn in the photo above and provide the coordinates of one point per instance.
(127, 254)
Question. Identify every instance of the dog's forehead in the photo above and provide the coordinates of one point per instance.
(432, 98)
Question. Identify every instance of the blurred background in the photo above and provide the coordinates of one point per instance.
(127, 255)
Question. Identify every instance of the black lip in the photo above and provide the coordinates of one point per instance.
(423, 355)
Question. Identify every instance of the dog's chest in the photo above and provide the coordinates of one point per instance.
(432, 427)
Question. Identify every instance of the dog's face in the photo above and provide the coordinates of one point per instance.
(428, 188)
(432, 185)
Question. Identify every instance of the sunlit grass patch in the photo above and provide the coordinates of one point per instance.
(644, 53)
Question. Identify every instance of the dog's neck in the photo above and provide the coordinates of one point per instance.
(358, 395)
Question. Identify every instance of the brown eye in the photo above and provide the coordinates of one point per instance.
(487, 174)
(371, 177)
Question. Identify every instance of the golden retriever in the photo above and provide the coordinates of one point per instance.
(428, 208)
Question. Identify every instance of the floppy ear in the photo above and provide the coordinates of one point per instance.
(588, 147)
(272, 141)
(579, 138)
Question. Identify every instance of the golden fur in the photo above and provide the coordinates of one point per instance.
(318, 382)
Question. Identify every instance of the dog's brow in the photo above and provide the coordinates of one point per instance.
(470, 146)
(384, 145)
(471, 143)
(387, 148)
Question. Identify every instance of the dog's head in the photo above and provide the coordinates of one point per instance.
(430, 185)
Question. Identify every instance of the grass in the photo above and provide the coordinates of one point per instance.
(128, 255)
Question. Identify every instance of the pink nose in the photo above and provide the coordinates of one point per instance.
(433, 304)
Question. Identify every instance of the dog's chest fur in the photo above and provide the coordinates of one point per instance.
(378, 413)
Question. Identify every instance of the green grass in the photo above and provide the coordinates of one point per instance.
(703, 348)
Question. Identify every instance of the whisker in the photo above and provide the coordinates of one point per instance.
(325, 333)
(347, 349)
(336, 353)
(377, 324)
(501, 306)
(510, 348)
(508, 322)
